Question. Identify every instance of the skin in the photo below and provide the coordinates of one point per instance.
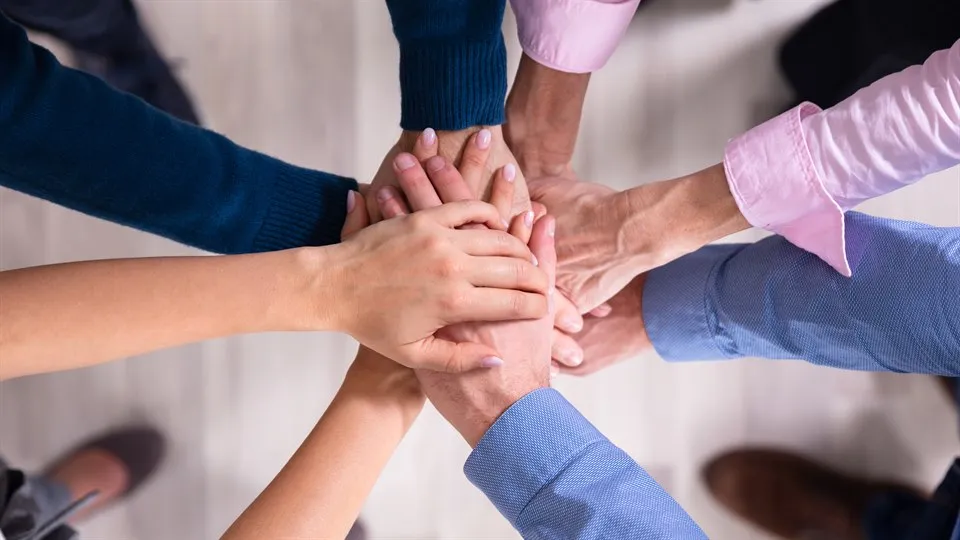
(73, 315)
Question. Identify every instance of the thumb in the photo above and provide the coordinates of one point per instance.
(543, 248)
(357, 217)
(442, 355)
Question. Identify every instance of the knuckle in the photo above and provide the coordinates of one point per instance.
(448, 267)
(453, 300)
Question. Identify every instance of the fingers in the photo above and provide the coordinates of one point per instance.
(457, 214)
(542, 246)
(390, 204)
(492, 305)
(487, 243)
(567, 317)
(508, 273)
(416, 185)
(602, 310)
(566, 351)
(501, 194)
(442, 355)
(357, 217)
(539, 210)
(522, 226)
(448, 181)
(474, 159)
(426, 146)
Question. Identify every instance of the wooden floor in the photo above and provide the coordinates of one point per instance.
(314, 82)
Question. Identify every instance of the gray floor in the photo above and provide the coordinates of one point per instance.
(314, 82)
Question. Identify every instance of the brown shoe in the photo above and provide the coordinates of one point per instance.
(790, 496)
(114, 465)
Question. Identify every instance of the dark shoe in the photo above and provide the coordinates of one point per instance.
(792, 497)
(115, 465)
(357, 532)
(145, 74)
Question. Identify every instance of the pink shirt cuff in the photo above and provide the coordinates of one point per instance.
(575, 36)
(776, 185)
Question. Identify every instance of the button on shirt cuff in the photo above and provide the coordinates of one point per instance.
(527, 447)
(776, 185)
(575, 36)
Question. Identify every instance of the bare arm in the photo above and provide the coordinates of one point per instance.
(320, 491)
(73, 315)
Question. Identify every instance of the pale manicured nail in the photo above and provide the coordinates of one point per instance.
(533, 258)
(435, 163)
(351, 201)
(405, 161)
(554, 370)
(572, 358)
(483, 139)
(550, 300)
(528, 219)
(491, 362)
(552, 229)
(509, 172)
(429, 137)
(504, 223)
(384, 195)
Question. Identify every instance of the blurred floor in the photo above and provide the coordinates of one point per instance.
(314, 82)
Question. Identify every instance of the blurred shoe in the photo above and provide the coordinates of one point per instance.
(357, 532)
(793, 497)
(142, 72)
(115, 465)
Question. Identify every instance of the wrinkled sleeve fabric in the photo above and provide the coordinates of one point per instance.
(553, 475)
(899, 312)
(575, 36)
(69, 138)
(453, 62)
(796, 174)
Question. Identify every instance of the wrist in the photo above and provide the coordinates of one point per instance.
(315, 296)
(543, 115)
(676, 217)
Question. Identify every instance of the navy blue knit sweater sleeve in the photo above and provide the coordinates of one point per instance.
(67, 137)
(453, 62)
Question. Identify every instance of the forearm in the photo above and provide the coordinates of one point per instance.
(320, 491)
(69, 138)
(774, 300)
(543, 116)
(77, 314)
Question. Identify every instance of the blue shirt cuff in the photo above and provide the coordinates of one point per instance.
(525, 450)
(676, 307)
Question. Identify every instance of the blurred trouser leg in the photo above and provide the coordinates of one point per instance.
(903, 516)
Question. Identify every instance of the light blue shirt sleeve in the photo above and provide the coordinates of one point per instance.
(899, 312)
(554, 476)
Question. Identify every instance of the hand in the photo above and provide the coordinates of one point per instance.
(398, 301)
(618, 336)
(472, 402)
(451, 145)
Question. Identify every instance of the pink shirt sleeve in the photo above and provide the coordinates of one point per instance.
(796, 174)
(576, 36)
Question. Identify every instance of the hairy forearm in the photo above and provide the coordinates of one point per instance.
(72, 315)
(320, 491)
(543, 116)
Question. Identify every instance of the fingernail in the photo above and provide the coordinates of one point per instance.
(528, 219)
(351, 200)
(504, 223)
(572, 358)
(509, 172)
(535, 261)
(552, 228)
(429, 137)
(554, 370)
(435, 163)
(571, 324)
(550, 300)
(405, 161)
(384, 195)
(491, 362)
(483, 139)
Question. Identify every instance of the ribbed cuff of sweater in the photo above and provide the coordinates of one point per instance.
(453, 85)
(308, 209)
